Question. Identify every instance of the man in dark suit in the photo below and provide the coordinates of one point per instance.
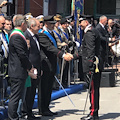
(104, 37)
(49, 54)
(34, 57)
(18, 65)
(90, 51)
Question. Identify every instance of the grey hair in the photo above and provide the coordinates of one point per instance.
(14, 17)
(19, 19)
(102, 17)
(31, 21)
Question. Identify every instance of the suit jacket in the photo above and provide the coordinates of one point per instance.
(18, 62)
(104, 37)
(49, 53)
(90, 48)
(34, 52)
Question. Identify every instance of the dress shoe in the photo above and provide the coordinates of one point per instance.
(32, 117)
(47, 113)
(89, 117)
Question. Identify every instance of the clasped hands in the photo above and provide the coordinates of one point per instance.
(68, 56)
(33, 73)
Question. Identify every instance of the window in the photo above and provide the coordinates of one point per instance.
(106, 6)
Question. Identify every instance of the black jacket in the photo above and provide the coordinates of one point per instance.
(34, 52)
(49, 52)
(90, 48)
(104, 37)
(18, 63)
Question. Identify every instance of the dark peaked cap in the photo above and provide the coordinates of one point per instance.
(63, 21)
(49, 19)
(70, 18)
(86, 17)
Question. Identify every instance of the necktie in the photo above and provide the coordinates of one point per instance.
(35, 38)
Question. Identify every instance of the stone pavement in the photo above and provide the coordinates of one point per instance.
(109, 105)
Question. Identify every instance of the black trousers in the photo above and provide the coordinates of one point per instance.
(94, 94)
(29, 98)
(47, 80)
(17, 87)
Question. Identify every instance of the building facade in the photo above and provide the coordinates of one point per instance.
(37, 7)
(110, 8)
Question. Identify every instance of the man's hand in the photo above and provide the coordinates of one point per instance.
(32, 69)
(113, 39)
(63, 44)
(68, 56)
(3, 3)
(32, 75)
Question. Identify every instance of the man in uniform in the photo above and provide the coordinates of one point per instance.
(49, 54)
(90, 50)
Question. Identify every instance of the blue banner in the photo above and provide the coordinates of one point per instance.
(77, 12)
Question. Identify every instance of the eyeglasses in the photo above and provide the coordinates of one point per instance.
(2, 23)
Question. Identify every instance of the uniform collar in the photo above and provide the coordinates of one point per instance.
(88, 28)
(46, 29)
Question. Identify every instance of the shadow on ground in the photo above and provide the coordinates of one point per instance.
(110, 116)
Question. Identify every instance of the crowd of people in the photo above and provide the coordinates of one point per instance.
(35, 50)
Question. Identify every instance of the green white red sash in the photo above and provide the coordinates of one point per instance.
(18, 31)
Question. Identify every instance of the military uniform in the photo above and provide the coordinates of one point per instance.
(90, 49)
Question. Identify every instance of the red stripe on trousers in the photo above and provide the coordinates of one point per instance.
(92, 98)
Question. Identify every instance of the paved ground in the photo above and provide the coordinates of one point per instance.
(109, 105)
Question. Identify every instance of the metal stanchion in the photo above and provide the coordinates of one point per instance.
(63, 61)
(76, 67)
(69, 75)
(75, 70)
(62, 70)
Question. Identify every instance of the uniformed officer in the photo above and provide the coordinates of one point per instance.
(90, 53)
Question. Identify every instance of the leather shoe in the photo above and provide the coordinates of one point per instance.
(47, 113)
(89, 117)
(32, 117)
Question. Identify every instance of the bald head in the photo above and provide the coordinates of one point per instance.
(2, 22)
(110, 22)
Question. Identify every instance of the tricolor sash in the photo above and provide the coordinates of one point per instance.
(17, 31)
